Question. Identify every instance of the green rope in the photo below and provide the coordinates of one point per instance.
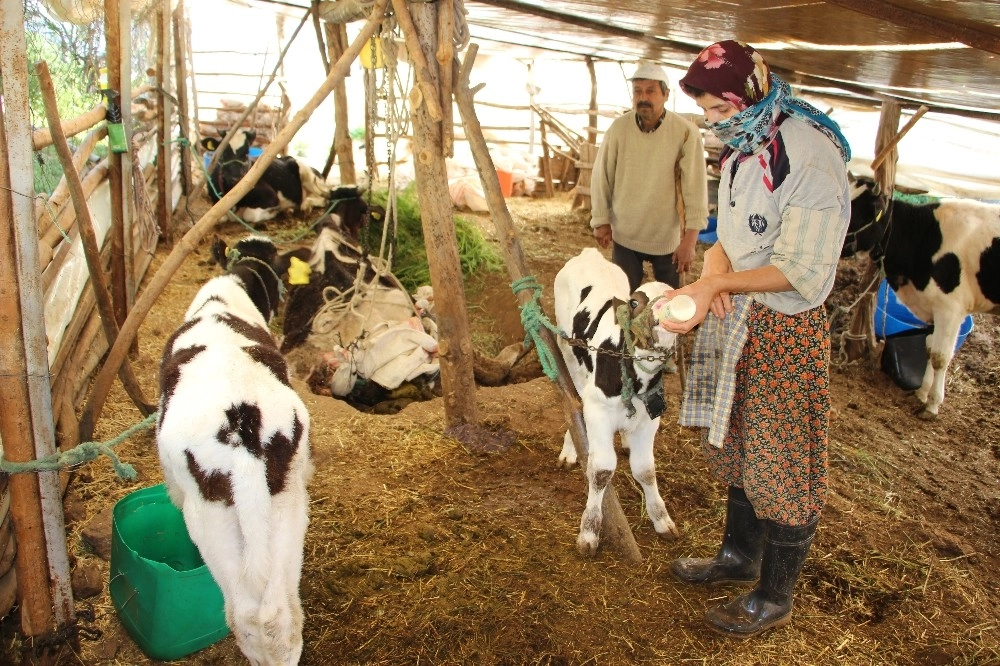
(533, 319)
(84, 452)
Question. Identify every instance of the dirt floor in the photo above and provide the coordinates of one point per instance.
(422, 550)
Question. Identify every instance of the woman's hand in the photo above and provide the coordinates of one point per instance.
(716, 262)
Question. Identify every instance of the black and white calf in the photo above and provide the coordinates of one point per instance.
(286, 185)
(233, 440)
(943, 261)
(588, 291)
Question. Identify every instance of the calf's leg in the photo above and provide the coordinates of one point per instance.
(601, 463)
(640, 447)
(940, 350)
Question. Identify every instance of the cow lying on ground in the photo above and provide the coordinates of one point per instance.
(286, 185)
(619, 393)
(233, 440)
(943, 261)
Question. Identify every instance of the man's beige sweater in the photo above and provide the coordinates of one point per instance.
(632, 185)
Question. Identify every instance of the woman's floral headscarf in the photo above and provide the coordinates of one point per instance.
(737, 73)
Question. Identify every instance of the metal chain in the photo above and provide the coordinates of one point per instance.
(577, 342)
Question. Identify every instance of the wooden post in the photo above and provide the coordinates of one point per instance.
(445, 58)
(343, 145)
(860, 334)
(550, 190)
(15, 414)
(456, 355)
(614, 528)
(592, 116)
(427, 80)
(164, 152)
(187, 244)
(183, 114)
(27, 420)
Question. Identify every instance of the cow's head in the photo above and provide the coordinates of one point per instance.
(238, 148)
(646, 331)
(869, 218)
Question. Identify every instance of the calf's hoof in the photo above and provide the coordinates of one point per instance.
(925, 414)
(668, 531)
(586, 544)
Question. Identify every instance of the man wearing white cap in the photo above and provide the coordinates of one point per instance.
(633, 189)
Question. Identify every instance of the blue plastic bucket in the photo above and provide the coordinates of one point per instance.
(892, 317)
(708, 234)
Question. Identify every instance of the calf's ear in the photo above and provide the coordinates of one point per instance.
(209, 143)
(219, 252)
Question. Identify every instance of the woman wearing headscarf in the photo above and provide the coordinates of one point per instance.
(759, 379)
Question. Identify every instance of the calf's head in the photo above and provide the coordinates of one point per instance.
(255, 261)
(646, 331)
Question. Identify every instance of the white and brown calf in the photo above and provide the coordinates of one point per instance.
(588, 291)
(943, 261)
(233, 440)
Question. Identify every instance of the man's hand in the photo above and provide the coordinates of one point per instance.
(684, 255)
(603, 235)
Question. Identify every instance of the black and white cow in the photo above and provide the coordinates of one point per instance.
(233, 441)
(943, 261)
(588, 291)
(286, 185)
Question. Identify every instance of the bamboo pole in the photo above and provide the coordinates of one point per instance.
(429, 93)
(456, 355)
(189, 242)
(42, 597)
(614, 528)
(87, 236)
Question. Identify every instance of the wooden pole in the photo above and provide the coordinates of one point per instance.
(614, 529)
(860, 336)
(455, 345)
(343, 145)
(164, 152)
(592, 119)
(884, 152)
(116, 233)
(29, 374)
(426, 79)
(87, 236)
(445, 57)
(15, 414)
(189, 242)
(183, 114)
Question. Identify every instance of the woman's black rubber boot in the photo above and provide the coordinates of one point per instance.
(738, 559)
(769, 605)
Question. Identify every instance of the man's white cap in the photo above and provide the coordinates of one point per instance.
(651, 71)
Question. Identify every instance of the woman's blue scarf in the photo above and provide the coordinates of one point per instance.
(756, 125)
